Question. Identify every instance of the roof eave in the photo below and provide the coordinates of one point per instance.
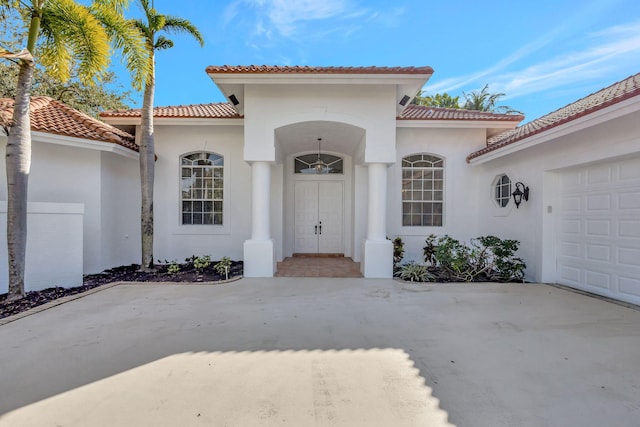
(408, 83)
(583, 122)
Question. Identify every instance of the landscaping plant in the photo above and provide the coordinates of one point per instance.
(414, 272)
(398, 253)
(487, 258)
(222, 267)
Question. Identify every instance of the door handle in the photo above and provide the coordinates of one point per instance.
(315, 230)
(320, 227)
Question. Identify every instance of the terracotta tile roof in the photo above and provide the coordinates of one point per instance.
(220, 110)
(606, 97)
(421, 112)
(51, 116)
(276, 69)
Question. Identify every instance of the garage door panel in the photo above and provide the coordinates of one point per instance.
(572, 204)
(571, 249)
(628, 256)
(628, 171)
(629, 229)
(571, 226)
(598, 202)
(598, 279)
(598, 253)
(599, 175)
(570, 275)
(629, 286)
(629, 200)
(598, 229)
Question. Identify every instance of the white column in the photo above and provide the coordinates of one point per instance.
(260, 201)
(259, 258)
(377, 212)
(377, 251)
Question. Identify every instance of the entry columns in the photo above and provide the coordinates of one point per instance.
(378, 251)
(259, 258)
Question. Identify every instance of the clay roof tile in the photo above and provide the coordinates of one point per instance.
(596, 101)
(51, 116)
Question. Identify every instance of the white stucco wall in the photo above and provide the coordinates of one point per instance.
(174, 241)
(120, 210)
(54, 246)
(538, 167)
(368, 107)
(460, 194)
(104, 184)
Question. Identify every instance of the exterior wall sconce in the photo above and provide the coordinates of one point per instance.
(521, 192)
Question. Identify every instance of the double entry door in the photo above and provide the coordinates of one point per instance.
(318, 217)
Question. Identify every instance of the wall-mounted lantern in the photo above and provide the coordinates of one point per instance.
(521, 192)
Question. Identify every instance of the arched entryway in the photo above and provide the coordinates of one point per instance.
(318, 203)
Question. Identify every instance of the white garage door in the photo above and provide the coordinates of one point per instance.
(599, 229)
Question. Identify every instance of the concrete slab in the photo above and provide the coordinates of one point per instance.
(323, 352)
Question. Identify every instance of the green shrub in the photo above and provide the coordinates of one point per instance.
(398, 253)
(222, 266)
(486, 258)
(173, 267)
(414, 272)
(429, 250)
(199, 262)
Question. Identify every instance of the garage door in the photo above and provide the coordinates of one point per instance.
(598, 239)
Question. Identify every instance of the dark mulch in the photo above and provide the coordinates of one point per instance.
(129, 273)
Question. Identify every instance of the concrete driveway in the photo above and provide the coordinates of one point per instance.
(323, 352)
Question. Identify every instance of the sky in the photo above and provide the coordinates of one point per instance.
(541, 54)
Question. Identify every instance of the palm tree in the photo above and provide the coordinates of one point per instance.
(440, 100)
(484, 101)
(68, 35)
(151, 27)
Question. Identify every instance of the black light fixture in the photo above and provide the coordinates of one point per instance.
(521, 192)
(404, 100)
(233, 99)
(319, 165)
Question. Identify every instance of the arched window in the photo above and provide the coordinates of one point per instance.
(422, 190)
(202, 184)
(502, 190)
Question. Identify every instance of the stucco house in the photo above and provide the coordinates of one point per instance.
(336, 159)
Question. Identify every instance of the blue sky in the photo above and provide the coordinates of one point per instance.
(542, 54)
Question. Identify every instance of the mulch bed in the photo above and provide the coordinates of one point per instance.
(129, 273)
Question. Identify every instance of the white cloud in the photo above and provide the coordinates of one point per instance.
(269, 20)
(604, 51)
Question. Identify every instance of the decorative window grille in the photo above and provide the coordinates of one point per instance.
(422, 190)
(202, 188)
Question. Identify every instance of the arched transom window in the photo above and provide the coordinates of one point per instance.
(318, 164)
(422, 190)
(202, 183)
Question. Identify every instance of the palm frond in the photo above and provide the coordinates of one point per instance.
(163, 43)
(177, 25)
(127, 38)
(72, 28)
(117, 6)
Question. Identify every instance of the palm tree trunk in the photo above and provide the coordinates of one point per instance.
(147, 173)
(18, 161)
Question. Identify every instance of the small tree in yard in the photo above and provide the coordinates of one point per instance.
(66, 34)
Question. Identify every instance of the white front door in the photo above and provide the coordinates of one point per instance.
(318, 217)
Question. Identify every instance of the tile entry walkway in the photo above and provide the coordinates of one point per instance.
(318, 266)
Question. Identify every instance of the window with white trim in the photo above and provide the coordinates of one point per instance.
(502, 190)
(202, 188)
(422, 190)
